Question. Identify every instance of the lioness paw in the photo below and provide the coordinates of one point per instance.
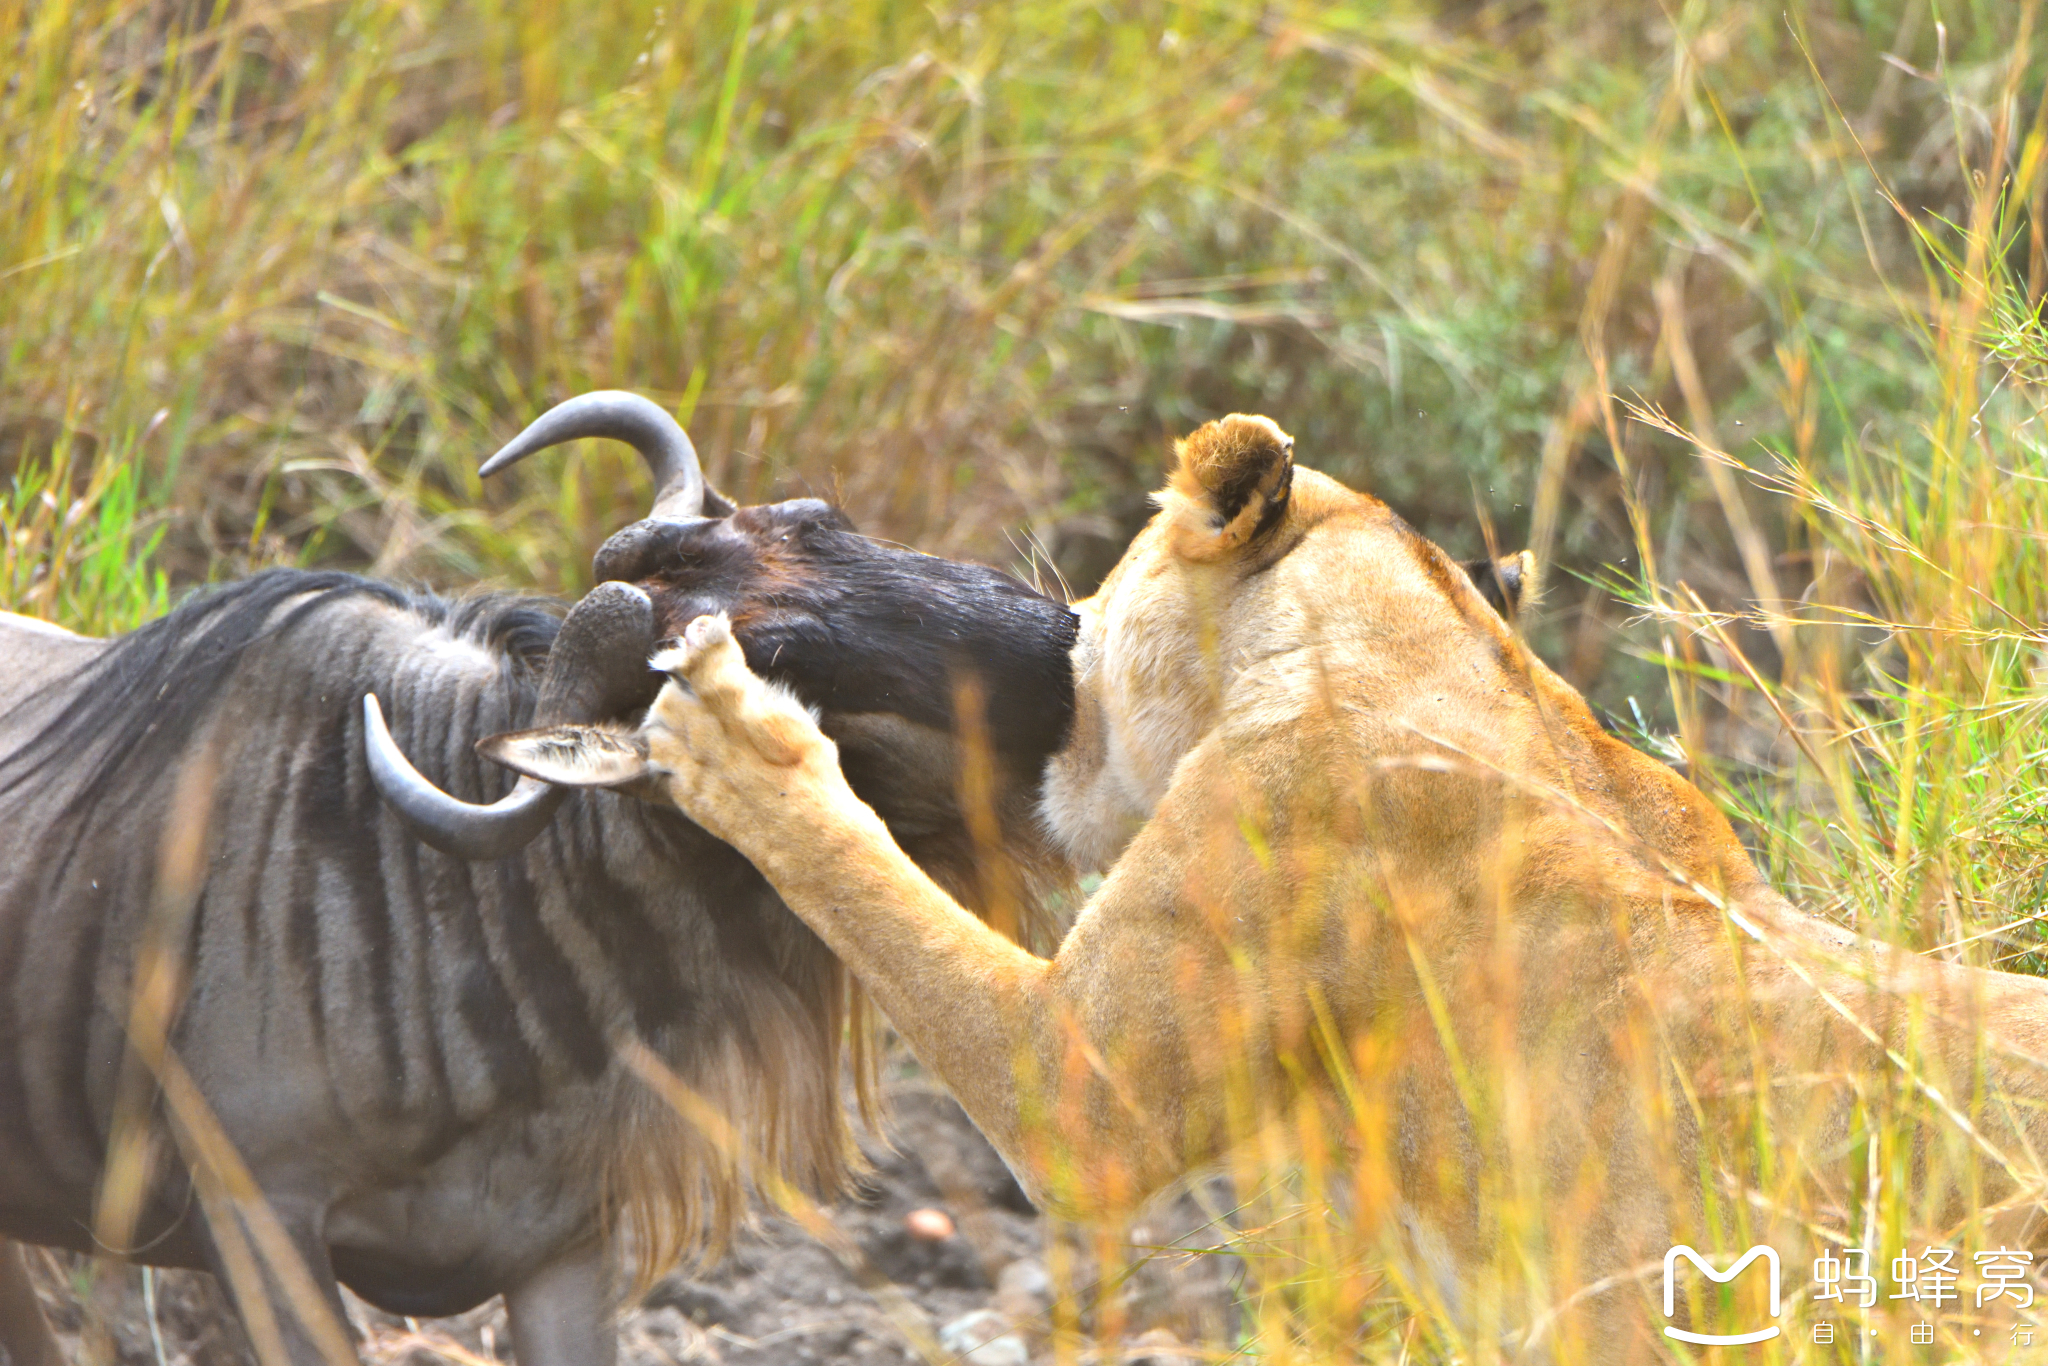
(767, 717)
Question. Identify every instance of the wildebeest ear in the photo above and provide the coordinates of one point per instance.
(1500, 581)
(572, 755)
(1230, 484)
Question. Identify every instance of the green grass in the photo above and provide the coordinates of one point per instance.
(274, 279)
(77, 543)
(1907, 716)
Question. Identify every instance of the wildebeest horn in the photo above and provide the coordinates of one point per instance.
(597, 668)
(465, 829)
(640, 423)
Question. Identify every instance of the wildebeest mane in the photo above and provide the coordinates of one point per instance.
(138, 705)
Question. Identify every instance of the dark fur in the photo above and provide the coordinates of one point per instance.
(402, 1008)
(855, 625)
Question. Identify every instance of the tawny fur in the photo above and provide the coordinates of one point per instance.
(1228, 477)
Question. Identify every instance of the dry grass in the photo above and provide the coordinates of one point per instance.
(1735, 301)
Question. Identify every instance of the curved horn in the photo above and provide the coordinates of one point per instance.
(464, 829)
(641, 423)
(597, 668)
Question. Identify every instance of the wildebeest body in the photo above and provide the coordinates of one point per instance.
(415, 1050)
(418, 1054)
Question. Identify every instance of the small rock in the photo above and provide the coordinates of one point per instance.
(832, 1342)
(1024, 1290)
(660, 1335)
(1158, 1347)
(929, 1225)
(984, 1338)
(694, 1301)
(908, 1260)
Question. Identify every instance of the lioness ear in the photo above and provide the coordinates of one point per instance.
(1229, 486)
(571, 755)
(1501, 581)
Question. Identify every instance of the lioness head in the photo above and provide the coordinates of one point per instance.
(1249, 557)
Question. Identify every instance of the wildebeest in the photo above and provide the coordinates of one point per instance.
(416, 1053)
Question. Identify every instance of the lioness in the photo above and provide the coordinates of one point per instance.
(1372, 863)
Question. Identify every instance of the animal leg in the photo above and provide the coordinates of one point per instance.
(561, 1315)
(744, 760)
(24, 1336)
(296, 1307)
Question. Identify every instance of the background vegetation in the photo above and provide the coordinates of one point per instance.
(1728, 309)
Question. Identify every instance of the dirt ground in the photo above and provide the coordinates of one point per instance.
(984, 1296)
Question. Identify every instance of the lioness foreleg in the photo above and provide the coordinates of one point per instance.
(1002, 1028)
